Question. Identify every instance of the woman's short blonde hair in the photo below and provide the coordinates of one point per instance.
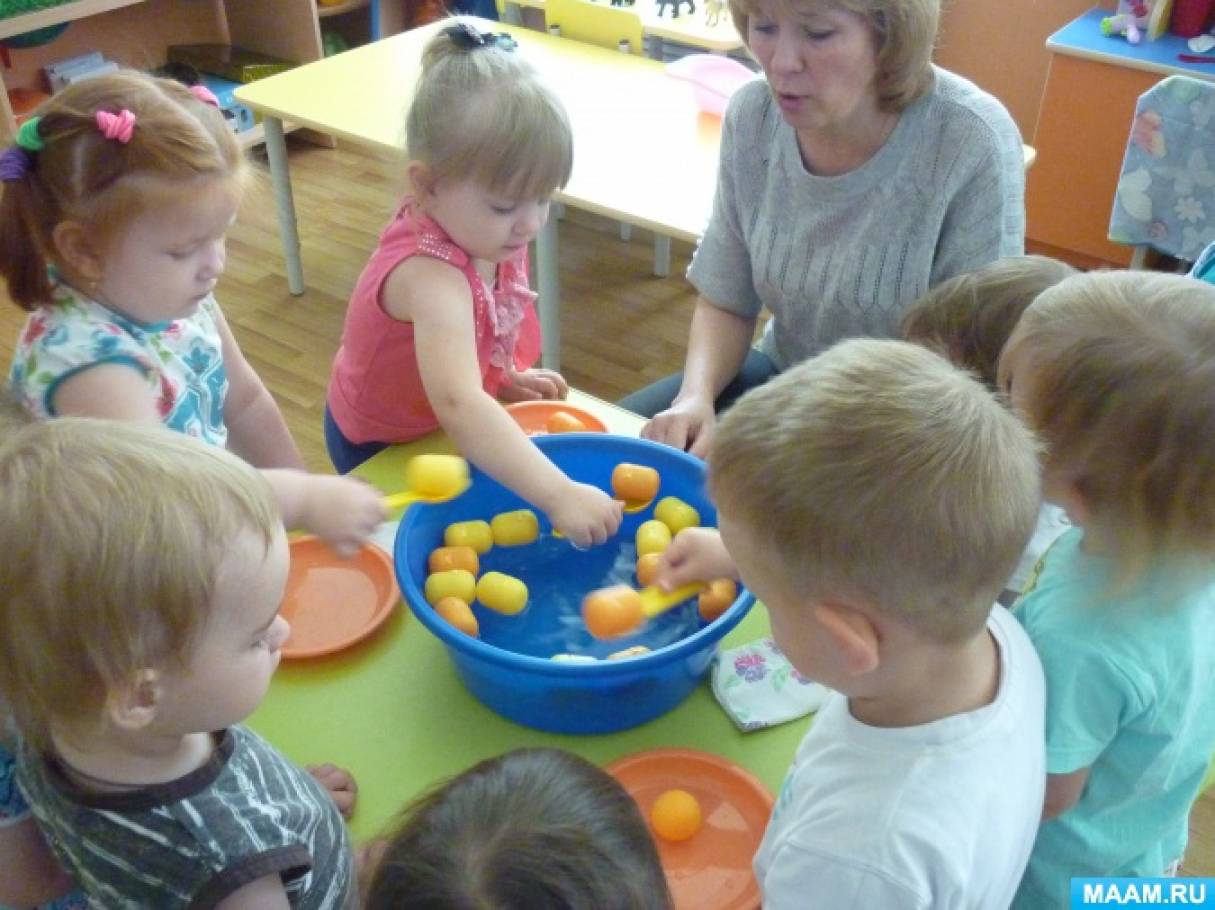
(112, 534)
(878, 471)
(1117, 371)
(80, 175)
(970, 317)
(483, 113)
(906, 32)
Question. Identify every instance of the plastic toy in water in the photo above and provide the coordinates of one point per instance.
(514, 529)
(619, 610)
(652, 537)
(717, 598)
(714, 79)
(476, 534)
(564, 422)
(431, 478)
(459, 614)
(676, 514)
(635, 484)
(502, 593)
(510, 666)
(452, 583)
(647, 568)
(444, 558)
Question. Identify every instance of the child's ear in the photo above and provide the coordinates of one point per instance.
(78, 247)
(853, 634)
(422, 179)
(133, 705)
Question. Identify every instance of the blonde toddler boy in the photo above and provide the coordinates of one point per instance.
(875, 498)
(139, 595)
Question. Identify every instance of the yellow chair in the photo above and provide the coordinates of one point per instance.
(611, 27)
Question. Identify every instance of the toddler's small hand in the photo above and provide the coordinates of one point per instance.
(586, 515)
(339, 784)
(696, 554)
(533, 385)
(342, 510)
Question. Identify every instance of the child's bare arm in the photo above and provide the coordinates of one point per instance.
(266, 893)
(108, 390)
(32, 874)
(257, 431)
(435, 297)
(342, 510)
(1062, 792)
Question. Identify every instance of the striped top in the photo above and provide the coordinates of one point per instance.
(841, 257)
(245, 814)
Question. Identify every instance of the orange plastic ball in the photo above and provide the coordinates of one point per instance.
(443, 559)
(563, 422)
(459, 614)
(675, 815)
(717, 599)
(647, 568)
(612, 612)
(634, 482)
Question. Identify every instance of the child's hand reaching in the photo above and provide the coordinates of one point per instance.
(696, 554)
(533, 385)
(341, 510)
(585, 514)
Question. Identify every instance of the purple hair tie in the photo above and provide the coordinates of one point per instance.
(14, 164)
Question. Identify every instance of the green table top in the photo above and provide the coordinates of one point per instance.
(394, 712)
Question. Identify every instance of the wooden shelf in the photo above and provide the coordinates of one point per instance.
(65, 12)
(324, 12)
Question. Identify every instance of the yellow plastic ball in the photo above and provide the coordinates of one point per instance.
(475, 534)
(676, 514)
(514, 529)
(652, 537)
(452, 583)
(502, 593)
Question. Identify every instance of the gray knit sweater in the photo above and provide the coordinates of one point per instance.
(838, 257)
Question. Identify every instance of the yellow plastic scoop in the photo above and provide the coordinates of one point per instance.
(431, 478)
(618, 610)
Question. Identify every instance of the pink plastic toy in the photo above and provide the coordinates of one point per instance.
(714, 79)
(1130, 19)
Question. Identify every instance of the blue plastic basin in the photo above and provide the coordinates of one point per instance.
(510, 668)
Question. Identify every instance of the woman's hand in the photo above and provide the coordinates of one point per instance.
(696, 554)
(687, 424)
(585, 514)
(534, 385)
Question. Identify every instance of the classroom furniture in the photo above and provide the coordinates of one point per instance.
(690, 29)
(1165, 198)
(643, 153)
(394, 712)
(1089, 101)
(611, 27)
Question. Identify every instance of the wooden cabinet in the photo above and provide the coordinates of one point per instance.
(136, 33)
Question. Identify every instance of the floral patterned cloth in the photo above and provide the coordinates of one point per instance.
(1166, 193)
(757, 686)
(182, 361)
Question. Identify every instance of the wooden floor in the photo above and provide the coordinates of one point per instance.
(621, 326)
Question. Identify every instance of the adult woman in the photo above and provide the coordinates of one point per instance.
(854, 178)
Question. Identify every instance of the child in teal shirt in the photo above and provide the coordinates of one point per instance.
(1115, 372)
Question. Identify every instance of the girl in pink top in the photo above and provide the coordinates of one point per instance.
(441, 322)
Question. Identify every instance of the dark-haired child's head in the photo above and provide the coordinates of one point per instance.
(969, 318)
(533, 829)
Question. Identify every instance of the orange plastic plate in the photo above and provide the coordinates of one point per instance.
(333, 603)
(533, 416)
(712, 869)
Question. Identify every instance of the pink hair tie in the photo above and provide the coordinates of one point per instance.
(118, 127)
(204, 94)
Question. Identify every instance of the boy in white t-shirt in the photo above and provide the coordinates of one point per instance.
(875, 498)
